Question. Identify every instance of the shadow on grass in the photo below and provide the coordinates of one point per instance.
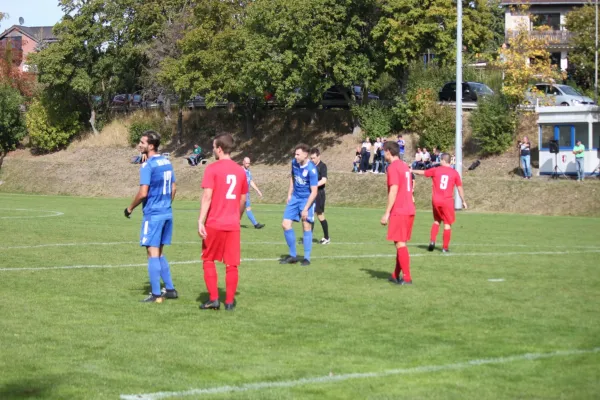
(203, 296)
(26, 389)
(377, 274)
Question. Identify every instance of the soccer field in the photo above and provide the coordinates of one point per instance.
(512, 312)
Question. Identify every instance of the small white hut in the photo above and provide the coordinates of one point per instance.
(567, 125)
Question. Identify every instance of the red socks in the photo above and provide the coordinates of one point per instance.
(403, 262)
(210, 279)
(435, 228)
(447, 234)
(231, 282)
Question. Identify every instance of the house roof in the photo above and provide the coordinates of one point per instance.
(543, 2)
(37, 33)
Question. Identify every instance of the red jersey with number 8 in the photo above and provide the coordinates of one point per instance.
(228, 181)
(399, 174)
(444, 179)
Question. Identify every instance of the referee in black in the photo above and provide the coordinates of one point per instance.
(315, 157)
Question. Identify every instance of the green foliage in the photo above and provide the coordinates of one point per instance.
(49, 126)
(436, 126)
(12, 124)
(581, 22)
(493, 124)
(375, 119)
(148, 122)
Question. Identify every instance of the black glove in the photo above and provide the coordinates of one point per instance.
(127, 213)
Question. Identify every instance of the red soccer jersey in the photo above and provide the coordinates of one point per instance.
(443, 181)
(228, 182)
(399, 174)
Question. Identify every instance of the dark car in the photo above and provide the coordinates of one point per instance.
(334, 98)
(471, 91)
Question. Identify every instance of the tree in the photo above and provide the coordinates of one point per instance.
(581, 22)
(12, 124)
(493, 124)
(11, 75)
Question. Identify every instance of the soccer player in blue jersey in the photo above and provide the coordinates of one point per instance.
(249, 213)
(156, 192)
(300, 203)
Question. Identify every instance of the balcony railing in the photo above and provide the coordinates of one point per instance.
(554, 38)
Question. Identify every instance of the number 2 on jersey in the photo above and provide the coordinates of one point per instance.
(444, 182)
(231, 181)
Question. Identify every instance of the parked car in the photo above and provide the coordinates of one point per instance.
(471, 91)
(334, 98)
(200, 102)
(559, 95)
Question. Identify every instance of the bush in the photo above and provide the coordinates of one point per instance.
(375, 120)
(436, 126)
(12, 124)
(493, 125)
(49, 127)
(143, 122)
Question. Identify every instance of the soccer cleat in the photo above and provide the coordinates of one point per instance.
(229, 306)
(170, 294)
(445, 251)
(431, 246)
(393, 280)
(211, 305)
(153, 299)
(325, 241)
(403, 282)
(300, 241)
(288, 260)
(259, 226)
(305, 263)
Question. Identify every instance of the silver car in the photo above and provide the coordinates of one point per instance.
(556, 95)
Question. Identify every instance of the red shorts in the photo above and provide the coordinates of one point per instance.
(223, 246)
(444, 213)
(400, 227)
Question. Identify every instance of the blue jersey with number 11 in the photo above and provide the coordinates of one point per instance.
(304, 177)
(158, 174)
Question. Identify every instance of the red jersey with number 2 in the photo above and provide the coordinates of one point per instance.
(399, 174)
(228, 181)
(444, 179)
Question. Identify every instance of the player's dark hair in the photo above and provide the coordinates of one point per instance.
(315, 151)
(153, 138)
(445, 157)
(303, 147)
(225, 142)
(392, 147)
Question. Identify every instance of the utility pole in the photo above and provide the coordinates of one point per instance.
(459, 141)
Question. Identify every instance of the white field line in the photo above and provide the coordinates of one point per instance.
(340, 257)
(50, 213)
(381, 242)
(363, 375)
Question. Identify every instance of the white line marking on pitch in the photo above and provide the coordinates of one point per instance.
(496, 280)
(50, 213)
(198, 261)
(345, 377)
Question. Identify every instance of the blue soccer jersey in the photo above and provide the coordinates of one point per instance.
(304, 177)
(248, 178)
(158, 174)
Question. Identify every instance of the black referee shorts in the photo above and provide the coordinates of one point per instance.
(320, 202)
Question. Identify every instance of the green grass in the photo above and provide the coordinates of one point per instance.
(82, 333)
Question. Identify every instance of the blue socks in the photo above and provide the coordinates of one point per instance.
(165, 273)
(251, 217)
(307, 241)
(290, 238)
(154, 270)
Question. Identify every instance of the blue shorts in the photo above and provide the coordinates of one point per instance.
(247, 200)
(156, 231)
(295, 207)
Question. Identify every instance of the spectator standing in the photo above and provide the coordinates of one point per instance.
(384, 163)
(377, 146)
(525, 155)
(365, 155)
(579, 151)
(401, 145)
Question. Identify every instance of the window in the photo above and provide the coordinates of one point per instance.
(547, 135)
(552, 20)
(564, 136)
(553, 91)
(555, 59)
(596, 135)
(581, 133)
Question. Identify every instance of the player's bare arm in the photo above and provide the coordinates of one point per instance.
(322, 182)
(204, 207)
(173, 190)
(256, 188)
(391, 200)
(139, 197)
(309, 202)
(461, 193)
(290, 190)
(418, 172)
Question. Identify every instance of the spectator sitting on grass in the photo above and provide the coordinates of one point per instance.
(194, 158)
(418, 163)
(356, 163)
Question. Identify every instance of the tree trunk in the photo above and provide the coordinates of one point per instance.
(92, 121)
(180, 125)
(2, 155)
(250, 114)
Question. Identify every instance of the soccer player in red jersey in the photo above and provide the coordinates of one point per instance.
(444, 178)
(223, 203)
(400, 212)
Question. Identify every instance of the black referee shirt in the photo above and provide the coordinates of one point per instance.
(322, 171)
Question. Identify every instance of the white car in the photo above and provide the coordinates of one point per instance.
(556, 95)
